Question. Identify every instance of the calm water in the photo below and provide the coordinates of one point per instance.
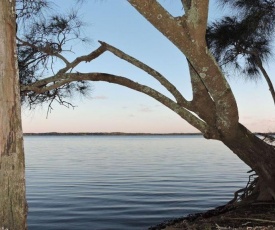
(88, 182)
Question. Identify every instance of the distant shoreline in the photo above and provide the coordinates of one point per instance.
(123, 134)
(111, 134)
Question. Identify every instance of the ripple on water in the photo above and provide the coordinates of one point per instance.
(125, 182)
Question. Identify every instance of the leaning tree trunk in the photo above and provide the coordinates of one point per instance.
(257, 154)
(13, 208)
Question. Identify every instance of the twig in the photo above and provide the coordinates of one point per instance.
(252, 219)
(221, 228)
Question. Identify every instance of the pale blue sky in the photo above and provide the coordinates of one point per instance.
(113, 108)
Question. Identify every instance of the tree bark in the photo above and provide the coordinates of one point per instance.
(188, 35)
(13, 208)
(257, 154)
(267, 78)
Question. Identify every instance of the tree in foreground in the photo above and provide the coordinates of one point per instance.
(213, 109)
(13, 207)
(244, 40)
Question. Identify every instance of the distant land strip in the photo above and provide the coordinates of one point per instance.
(125, 134)
(110, 134)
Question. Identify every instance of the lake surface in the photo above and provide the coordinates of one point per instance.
(125, 182)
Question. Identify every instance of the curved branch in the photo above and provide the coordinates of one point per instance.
(69, 65)
(169, 26)
(104, 47)
(87, 58)
(185, 35)
(70, 77)
(167, 84)
(267, 78)
(183, 31)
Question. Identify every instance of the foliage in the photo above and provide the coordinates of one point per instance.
(232, 42)
(260, 13)
(41, 44)
(26, 9)
(243, 40)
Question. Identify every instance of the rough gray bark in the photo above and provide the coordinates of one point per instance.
(13, 209)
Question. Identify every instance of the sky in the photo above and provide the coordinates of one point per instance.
(113, 108)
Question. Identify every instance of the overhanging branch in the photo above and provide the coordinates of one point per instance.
(86, 58)
(170, 87)
(106, 47)
(70, 77)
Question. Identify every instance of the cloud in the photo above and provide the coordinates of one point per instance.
(146, 110)
(101, 97)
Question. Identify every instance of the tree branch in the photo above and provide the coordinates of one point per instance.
(104, 47)
(162, 20)
(186, 5)
(170, 87)
(70, 77)
(185, 34)
(87, 58)
(267, 78)
(202, 102)
(197, 18)
(45, 50)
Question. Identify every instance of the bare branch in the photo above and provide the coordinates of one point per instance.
(170, 87)
(162, 20)
(191, 26)
(187, 37)
(70, 77)
(87, 58)
(104, 46)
